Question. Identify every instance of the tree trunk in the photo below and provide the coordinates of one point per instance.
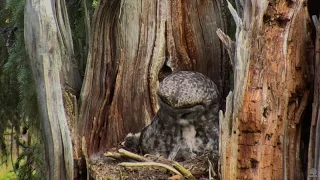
(49, 45)
(135, 44)
(314, 143)
(261, 128)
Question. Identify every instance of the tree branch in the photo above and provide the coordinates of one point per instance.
(228, 44)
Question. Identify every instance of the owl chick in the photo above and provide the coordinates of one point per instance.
(186, 124)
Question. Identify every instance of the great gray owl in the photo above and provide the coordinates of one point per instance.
(186, 124)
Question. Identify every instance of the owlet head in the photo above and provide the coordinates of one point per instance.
(186, 88)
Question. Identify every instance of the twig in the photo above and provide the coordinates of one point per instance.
(178, 169)
(141, 164)
(131, 155)
(186, 173)
(228, 44)
(120, 172)
(211, 171)
(114, 155)
(210, 165)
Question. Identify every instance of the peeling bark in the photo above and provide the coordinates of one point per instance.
(260, 129)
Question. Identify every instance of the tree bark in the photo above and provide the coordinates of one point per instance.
(135, 44)
(314, 142)
(260, 130)
(49, 45)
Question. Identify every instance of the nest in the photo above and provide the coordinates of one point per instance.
(125, 165)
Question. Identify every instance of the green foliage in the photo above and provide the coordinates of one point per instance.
(17, 66)
(6, 169)
(9, 176)
(28, 165)
(18, 101)
(94, 3)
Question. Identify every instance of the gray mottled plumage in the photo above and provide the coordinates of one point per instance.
(186, 124)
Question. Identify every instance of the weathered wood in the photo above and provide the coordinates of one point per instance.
(260, 129)
(136, 44)
(229, 45)
(314, 142)
(49, 45)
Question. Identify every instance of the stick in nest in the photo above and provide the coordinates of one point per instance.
(133, 156)
(211, 171)
(141, 164)
(113, 155)
(186, 173)
(143, 161)
(126, 154)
